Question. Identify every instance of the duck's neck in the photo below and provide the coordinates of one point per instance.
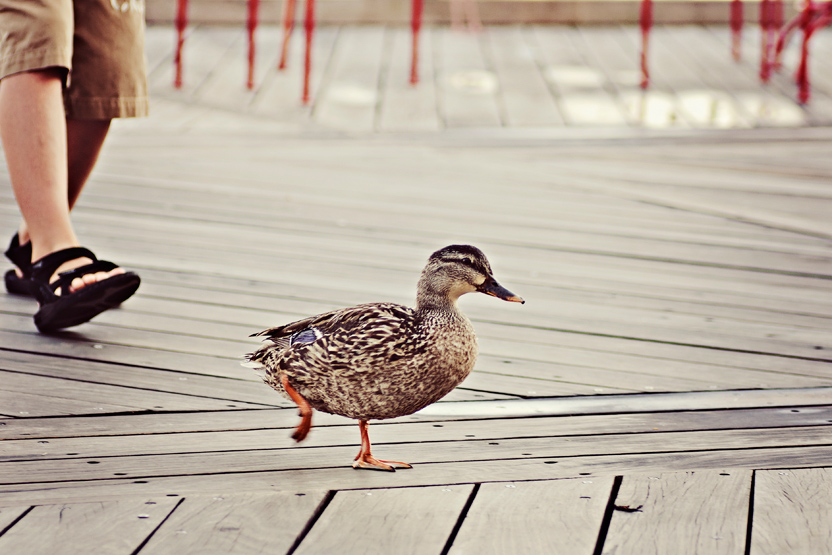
(430, 300)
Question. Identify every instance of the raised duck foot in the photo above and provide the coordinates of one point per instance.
(303, 408)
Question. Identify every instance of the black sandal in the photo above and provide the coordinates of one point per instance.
(70, 309)
(21, 256)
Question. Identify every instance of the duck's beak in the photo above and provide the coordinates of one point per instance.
(491, 287)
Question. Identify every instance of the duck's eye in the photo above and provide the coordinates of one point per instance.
(468, 261)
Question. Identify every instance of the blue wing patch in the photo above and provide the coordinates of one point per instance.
(305, 337)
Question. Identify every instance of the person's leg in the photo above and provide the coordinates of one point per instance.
(85, 137)
(34, 131)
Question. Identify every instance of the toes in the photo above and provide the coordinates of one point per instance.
(89, 279)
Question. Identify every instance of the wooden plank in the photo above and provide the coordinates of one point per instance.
(345, 477)
(583, 90)
(404, 106)
(248, 388)
(404, 520)
(696, 511)
(525, 96)
(203, 47)
(349, 98)
(563, 516)
(280, 94)
(57, 396)
(8, 515)
(467, 88)
(791, 511)
(226, 86)
(106, 527)
(283, 456)
(142, 434)
(236, 523)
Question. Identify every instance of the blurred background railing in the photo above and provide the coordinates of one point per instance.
(581, 12)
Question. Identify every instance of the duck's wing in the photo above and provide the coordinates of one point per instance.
(373, 327)
(282, 333)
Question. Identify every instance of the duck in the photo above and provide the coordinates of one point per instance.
(381, 360)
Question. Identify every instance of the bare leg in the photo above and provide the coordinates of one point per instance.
(305, 410)
(85, 137)
(34, 131)
(365, 459)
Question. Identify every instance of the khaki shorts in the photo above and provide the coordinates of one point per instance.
(99, 42)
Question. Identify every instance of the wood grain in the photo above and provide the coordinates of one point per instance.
(106, 527)
(236, 523)
(563, 516)
(649, 510)
(791, 511)
(401, 520)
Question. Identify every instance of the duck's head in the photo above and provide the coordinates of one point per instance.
(455, 270)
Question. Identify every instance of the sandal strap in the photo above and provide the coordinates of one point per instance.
(43, 269)
(20, 255)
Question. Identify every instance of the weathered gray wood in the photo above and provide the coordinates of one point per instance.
(350, 98)
(345, 477)
(106, 527)
(466, 86)
(30, 395)
(526, 98)
(404, 106)
(693, 512)
(89, 437)
(236, 523)
(563, 516)
(280, 94)
(404, 520)
(791, 511)
(285, 456)
(10, 514)
(203, 48)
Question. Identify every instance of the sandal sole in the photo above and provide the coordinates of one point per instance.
(87, 303)
(17, 285)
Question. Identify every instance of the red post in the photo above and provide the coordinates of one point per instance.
(766, 20)
(736, 29)
(646, 20)
(309, 24)
(803, 86)
(251, 25)
(181, 24)
(416, 27)
(288, 27)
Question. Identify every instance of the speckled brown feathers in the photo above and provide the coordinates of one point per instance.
(383, 360)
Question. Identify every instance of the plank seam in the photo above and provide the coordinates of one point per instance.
(658, 341)
(608, 512)
(147, 539)
(542, 459)
(750, 513)
(461, 519)
(15, 521)
(319, 510)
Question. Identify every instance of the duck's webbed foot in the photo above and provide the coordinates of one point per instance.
(365, 458)
(303, 407)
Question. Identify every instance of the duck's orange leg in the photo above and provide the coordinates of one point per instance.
(303, 406)
(365, 459)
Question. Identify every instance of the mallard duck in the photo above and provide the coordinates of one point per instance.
(381, 360)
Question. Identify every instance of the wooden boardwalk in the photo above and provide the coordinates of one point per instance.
(666, 388)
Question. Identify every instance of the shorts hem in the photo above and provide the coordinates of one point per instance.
(33, 60)
(107, 108)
